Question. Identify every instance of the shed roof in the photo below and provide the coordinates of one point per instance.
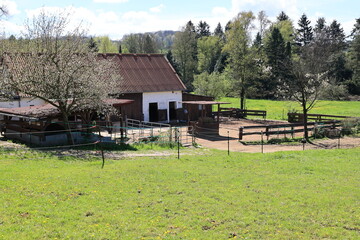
(48, 110)
(145, 73)
(204, 102)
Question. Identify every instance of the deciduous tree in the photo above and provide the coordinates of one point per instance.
(58, 67)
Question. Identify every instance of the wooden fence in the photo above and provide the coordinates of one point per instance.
(240, 113)
(299, 117)
(288, 128)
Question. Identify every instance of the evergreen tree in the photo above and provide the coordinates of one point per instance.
(337, 37)
(304, 32)
(258, 40)
(203, 29)
(320, 25)
(120, 48)
(93, 45)
(277, 53)
(149, 45)
(172, 61)
(219, 31)
(282, 17)
(354, 59)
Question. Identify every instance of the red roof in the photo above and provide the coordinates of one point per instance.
(145, 73)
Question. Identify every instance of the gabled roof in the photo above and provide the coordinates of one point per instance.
(145, 73)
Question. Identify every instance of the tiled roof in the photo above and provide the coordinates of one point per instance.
(145, 73)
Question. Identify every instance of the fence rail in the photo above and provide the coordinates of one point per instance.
(299, 117)
(239, 113)
(288, 128)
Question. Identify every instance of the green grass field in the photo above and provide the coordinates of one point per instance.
(277, 110)
(207, 195)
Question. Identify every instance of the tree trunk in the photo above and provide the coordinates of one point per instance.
(70, 139)
(242, 98)
(305, 113)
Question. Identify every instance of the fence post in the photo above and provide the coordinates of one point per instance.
(101, 149)
(241, 131)
(228, 138)
(193, 136)
(267, 132)
(262, 142)
(178, 142)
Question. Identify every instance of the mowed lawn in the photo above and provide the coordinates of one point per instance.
(277, 110)
(207, 195)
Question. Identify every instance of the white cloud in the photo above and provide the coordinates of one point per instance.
(157, 9)
(110, 1)
(11, 6)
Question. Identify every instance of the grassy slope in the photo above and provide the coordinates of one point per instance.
(278, 109)
(309, 195)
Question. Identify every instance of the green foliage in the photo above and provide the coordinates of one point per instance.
(350, 126)
(207, 195)
(140, 43)
(185, 51)
(215, 84)
(105, 45)
(209, 51)
(241, 61)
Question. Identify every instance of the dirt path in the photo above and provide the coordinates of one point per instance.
(231, 129)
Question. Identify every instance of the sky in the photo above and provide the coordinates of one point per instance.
(116, 18)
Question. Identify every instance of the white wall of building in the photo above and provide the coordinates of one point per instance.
(23, 102)
(162, 99)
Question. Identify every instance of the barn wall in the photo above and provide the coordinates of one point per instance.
(194, 111)
(133, 110)
(162, 99)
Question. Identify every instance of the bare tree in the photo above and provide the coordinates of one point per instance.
(58, 67)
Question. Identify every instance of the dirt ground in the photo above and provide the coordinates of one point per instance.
(231, 129)
(228, 128)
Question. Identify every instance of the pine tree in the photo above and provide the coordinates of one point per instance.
(304, 33)
(337, 37)
(282, 16)
(219, 31)
(93, 45)
(203, 29)
(258, 40)
(149, 45)
(320, 25)
(277, 55)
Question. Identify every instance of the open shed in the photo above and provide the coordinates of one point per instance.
(205, 122)
(42, 125)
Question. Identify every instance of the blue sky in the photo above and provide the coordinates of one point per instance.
(118, 17)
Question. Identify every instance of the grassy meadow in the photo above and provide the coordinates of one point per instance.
(277, 110)
(205, 195)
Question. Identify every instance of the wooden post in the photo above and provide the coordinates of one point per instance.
(267, 132)
(101, 149)
(218, 113)
(241, 131)
(262, 142)
(228, 138)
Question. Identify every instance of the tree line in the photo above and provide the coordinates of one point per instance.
(231, 62)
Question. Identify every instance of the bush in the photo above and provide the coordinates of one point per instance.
(350, 126)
